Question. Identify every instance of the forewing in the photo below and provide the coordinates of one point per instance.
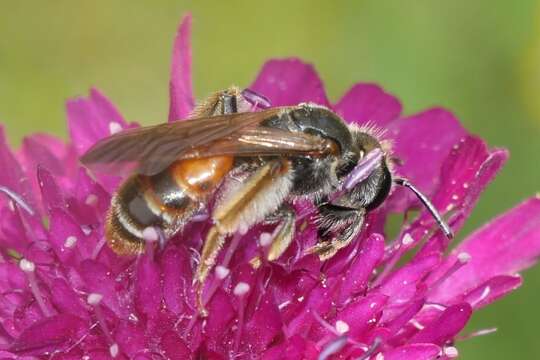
(262, 141)
(149, 150)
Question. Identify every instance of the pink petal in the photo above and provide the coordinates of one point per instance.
(174, 347)
(363, 314)
(11, 277)
(180, 85)
(49, 152)
(317, 300)
(66, 300)
(13, 232)
(12, 356)
(466, 172)
(422, 142)
(402, 285)
(51, 194)
(264, 326)
(93, 199)
(91, 119)
(368, 103)
(290, 82)
(105, 108)
(99, 279)
(65, 236)
(504, 246)
(49, 334)
(446, 326)
(176, 270)
(413, 352)
(147, 286)
(221, 313)
(14, 179)
(296, 347)
(394, 321)
(130, 338)
(357, 276)
(492, 290)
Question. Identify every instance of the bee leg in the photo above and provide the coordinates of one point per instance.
(212, 245)
(241, 207)
(282, 237)
(220, 103)
(338, 226)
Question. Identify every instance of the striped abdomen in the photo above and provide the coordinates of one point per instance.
(166, 201)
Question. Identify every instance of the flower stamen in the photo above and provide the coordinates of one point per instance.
(473, 334)
(376, 343)
(333, 347)
(17, 199)
(70, 242)
(451, 352)
(240, 290)
(94, 300)
(462, 259)
(29, 268)
(400, 249)
(99, 246)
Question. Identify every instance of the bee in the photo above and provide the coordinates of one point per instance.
(243, 168)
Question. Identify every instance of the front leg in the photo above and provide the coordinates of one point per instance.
(338, 226)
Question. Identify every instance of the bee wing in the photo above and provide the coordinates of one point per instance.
(149, 150)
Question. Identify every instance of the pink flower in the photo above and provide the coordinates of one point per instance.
(65, 295)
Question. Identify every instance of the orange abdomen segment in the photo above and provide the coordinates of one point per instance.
(199, 177)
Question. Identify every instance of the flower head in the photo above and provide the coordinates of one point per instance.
(65, 294)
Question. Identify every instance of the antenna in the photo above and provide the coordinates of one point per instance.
(424, 200)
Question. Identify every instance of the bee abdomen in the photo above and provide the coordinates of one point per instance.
(166, 201)
(143, 202)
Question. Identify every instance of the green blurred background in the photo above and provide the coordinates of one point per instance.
(481, 59)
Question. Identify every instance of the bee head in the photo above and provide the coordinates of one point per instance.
(367, 176)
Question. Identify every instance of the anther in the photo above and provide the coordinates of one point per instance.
(27, 266)
(94, 299)
(342, 327)
(114, 127)
(407, 239)
(265, 239)
(70, 241)
(222, 272)
(241, 289)
(451, 352)
(113, 350)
